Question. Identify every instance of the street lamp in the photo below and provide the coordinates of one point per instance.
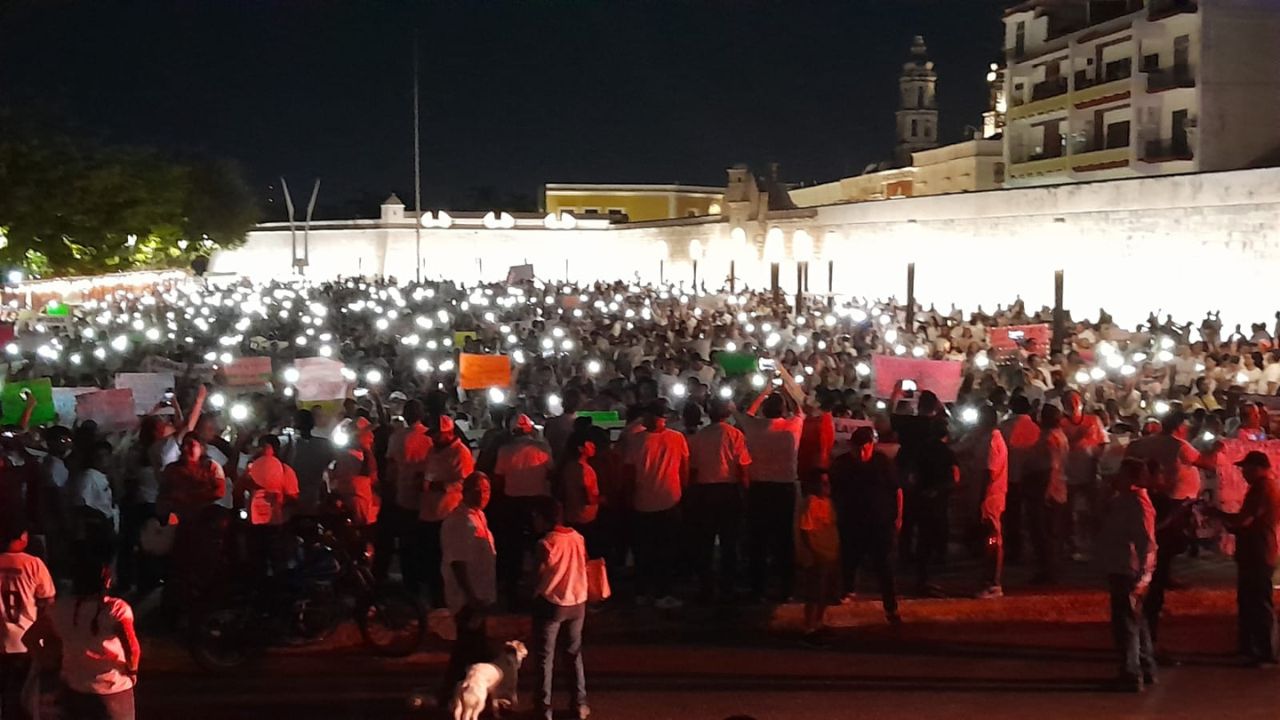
(802, 248)
(661, 250)
(773, 252)
(695, 254)
(737, 244)
(829, 242)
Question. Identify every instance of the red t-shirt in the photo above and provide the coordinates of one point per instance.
(816, 440)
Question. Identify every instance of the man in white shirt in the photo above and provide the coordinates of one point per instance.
(97, 517)
(522, 474)
(266, 489)
(718, 460)
(657, 466)
(468, 565)
(26, 590)
(774, 443)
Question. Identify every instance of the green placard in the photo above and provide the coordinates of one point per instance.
(602, 418)
(57, 309)
(12, 402)
(736, 363)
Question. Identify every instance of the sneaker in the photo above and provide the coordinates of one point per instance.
(668, 603)
(583, 712)
(991, 593)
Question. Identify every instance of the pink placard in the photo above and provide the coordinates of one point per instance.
(1034, 338)
(943, 377)
(113, 410)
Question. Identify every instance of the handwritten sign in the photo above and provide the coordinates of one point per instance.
(607, 419)
(203, 372)
(248, 372)
(148, 388)
(942, 377)
(477, 372)
(13, 401)
(320, 379)
(112, 410)
(736, 363)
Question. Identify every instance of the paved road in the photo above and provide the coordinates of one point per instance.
(1021, 669)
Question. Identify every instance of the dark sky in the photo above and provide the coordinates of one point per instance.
(515, 92)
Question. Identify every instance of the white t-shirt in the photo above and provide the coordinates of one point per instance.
(525, 464)
(273, 482)
(92, 489)
(562, 568)
(24, 580)
(716, 452)
(465, 538)
(93, 662)
(657, 457)
(1270, 374)
(775, 447)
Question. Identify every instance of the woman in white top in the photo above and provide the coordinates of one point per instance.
(100, 650)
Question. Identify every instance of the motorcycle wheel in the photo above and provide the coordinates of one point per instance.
(221, 640)
(393, 623)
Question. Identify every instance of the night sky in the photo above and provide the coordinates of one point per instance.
(515, 92)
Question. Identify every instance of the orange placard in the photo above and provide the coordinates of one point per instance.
(477, 372)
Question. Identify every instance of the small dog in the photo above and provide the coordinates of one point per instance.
(490, 686)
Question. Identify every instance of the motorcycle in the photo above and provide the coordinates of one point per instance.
(328, 582)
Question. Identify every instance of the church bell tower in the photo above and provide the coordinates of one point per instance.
(918, 106)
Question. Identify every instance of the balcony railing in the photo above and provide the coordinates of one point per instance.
(1167, 150)
(1170, 78)
(1123, 71)
(1158, 9)
(1048, 88)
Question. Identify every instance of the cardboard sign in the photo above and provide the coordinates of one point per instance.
(113, 410)
(942, 377)
(519, 273)
(1033, 338)
(248, 372)
(320, 379)
(204, 372)
(736, 363)
(461, 337)
(64, 403)
(12, 402)
(148, 388)
(478, 372)
(607, 419)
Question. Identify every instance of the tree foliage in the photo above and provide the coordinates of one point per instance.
(71, 205)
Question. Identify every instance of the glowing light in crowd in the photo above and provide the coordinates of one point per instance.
(969, 416)
(593, 367)
(899, 349)
(447, 366)
(726, 392)
(1165, 356)
(1128, 370)
(679, 390)
(772, 340)
(340, 436)
(757, 381)
(291, 375)
(217, 401)
(1098, 374)
(422, 365)
(13, 349)
(373, 377)
(862, 369)
(1161, 408)
(917, 351)
(348, 374)
(120, 343)
(981, 360)
(496, 396)
(239, 412)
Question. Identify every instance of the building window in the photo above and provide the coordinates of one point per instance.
(915, 128)
(1151, 63)
(617, 211)
(1118, 135)
(998, 172)
(1020, 38)
(928, 131)
(590, 211)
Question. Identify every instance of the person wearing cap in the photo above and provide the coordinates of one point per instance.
(1174, 489)
(1126, 549)
(1087, 439)
(1257, 530)
(521, 475)
(718, 462)
(866, 492)
(448, 464)
(657, 466)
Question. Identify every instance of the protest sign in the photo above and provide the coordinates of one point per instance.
(477, 372)
(320, 379)
(148, 388)
(248, 372)
(736, 363)
(607, 419)
(943, 377)
(13, 401)
(203, 372)
(64, 403)
(460, 338)
(112, 410)
(519, 273)
(1032, 338)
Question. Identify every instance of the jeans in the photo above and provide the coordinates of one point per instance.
(134, 566)
(771, 519)
(394, 535)
(1171, 541)
(87, 706)
(548, 622)
(510, 519)
(470, 647)
(1255, 608)
(1048, 522)
(13, 675)
(860, 540)
(715, 511)
(657, 537)
(993, 566)
(1129, 628)
(1020, 504)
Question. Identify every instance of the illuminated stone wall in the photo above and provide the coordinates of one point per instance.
(1183, 244)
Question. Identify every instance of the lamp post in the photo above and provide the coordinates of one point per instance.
(737, 244)
(829, 242)
(802, 248)
(660, 248)
(695, 254)
(773, 252)
(1059, 314)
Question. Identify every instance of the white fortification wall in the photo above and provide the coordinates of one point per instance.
(1181, 244)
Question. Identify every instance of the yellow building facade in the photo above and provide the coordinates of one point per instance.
(639, 203)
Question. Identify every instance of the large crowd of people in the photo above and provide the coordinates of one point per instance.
(708, 447)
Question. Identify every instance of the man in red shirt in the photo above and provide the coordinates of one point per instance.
(719, 462)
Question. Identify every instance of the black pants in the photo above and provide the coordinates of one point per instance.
(1129, 629)
(511, 522)
(657, 536)
(1048, 521)
(132, 565)
(934, 527)
(1021, 506)
(1171, 541)
(471, 646)
(13, 675)
(427, 554)
(863, 541)
(394, 535)
(1256, 609)
(715, 511)
(771, 513)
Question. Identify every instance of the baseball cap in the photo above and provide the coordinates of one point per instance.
(445, 424)
(522, 422)
(1255, 458)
